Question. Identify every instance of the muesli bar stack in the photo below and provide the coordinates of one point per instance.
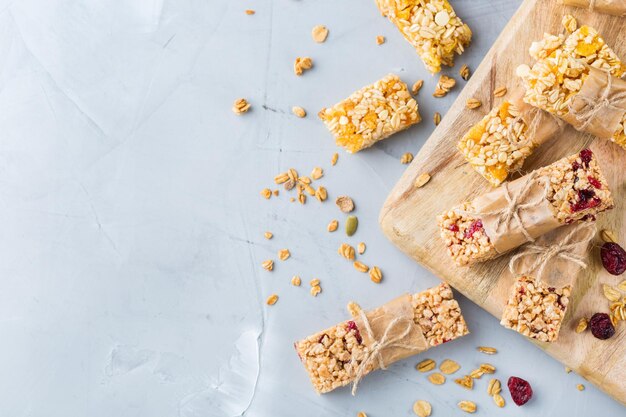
(371, 114)
(571, 189)
(333, 356)
(535, 309)
(563, 65)
(431, 26)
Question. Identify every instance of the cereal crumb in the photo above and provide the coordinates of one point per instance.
(271, 300)
(473, 103)
(298, 111)
(417, 86)
(464, 72)
(319, 33)
(406, 158)
(268, 235)
(380, 40)
(301, 64)
(250, 12)
(241, 106)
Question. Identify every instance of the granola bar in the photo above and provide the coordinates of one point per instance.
(371, 114)
(570, 190)
(431, 26)
(535, 309)
(332, 357)
(614, 7)
(562, 67)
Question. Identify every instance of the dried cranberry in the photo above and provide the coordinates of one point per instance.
(352, 326)
(520, 389)
(597, 184)
(321, 339)
(613, 258)
(576, 166)
(601, 326)
(474, 227)
(585, 156)
(586, 199)
(454, 228)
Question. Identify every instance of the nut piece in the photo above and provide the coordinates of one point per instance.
(422, 180)
(376, 275)
(497, 398)
(284, 254)
(582, 325)
(487, 350)
(317, 173)
(464, 72)
(298, 111)
(417, 86)
(352, 222)
(422, 408)
(380, 40)
(608, 236)
(268, 265)
(467, 406)
(494, 387)
(345, 203)
(360, 266)
(426, 365)
(321, 194)
(406, 158)
(437, 118)
(301, 64)
(473, 103)
(361, 248)
(319, 33)
(500, 92)
(266, 193)
(296, 281)
(268, 235)
(333, 225)
(437, 378)
(449, 366)
(569, 23)
(271, 300)
(346, 251)
(241, 106)
(465, 382)
(333, 160)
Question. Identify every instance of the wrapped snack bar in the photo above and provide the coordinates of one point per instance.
(431, 26)
(569, 190)
(371, 114)
(403, 327)
(614, 7)
(578, 79)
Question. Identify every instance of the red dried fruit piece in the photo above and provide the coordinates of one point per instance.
(474, 227)
(597, 184)
(585, 156)
(454, 228)
(352, 326)
(575, 166)
(601, 326)
(586, 199)
(613, 258)
(520, 389)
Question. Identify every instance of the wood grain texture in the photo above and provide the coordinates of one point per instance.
(408, 216)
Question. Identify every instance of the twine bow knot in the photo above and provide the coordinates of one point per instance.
(374, 350)
(564, 249)
(595, 106)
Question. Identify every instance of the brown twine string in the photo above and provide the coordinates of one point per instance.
(592, 5)
(378, 345)
(532, 127)
(594, 107)
(563, 249)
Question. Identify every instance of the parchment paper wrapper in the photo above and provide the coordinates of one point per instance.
(380, 318)
(606, 121)
(541, 125)
(537, 220)
(614, 7)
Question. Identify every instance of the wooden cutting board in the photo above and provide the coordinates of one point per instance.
(408, 215)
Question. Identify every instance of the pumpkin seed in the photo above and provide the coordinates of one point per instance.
(352, 222)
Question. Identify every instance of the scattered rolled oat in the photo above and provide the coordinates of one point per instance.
(250, 12)
(319, 33)
(467, 406)
(266, 193)
(449, 366)
(422, 408)
(569, 23)
(500, 92)
(302, 198)
(275, 192)
(333, 225)
(580, 387)
(608, 236)
(436, 378)
(314, 282)
(426, 365)
(361, 248)
(296, 281)
(611, 293)
(499, 400)
(380, 40)
(345, 203)
(473, 103)
(406, 158)
(622, 285)
(271, 300)
(346, 251)
(522, 70)
(361, 414)
(298, 111)
(582, 325)
(444, 86)
(376, 275)
(487, 368)
(487, 350)
(466, 382)
(477, 373)
(353, 308)
(422, 180)
(268, 265)
(284, 254)
(317, 173)
(316, 290)
(301, 64)
(268, 235)
(494, 387)
(241, 106)
(464, 72)
(437, 118)
(333, 160)
(360, 266)
(321, 194)
(417, 86)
